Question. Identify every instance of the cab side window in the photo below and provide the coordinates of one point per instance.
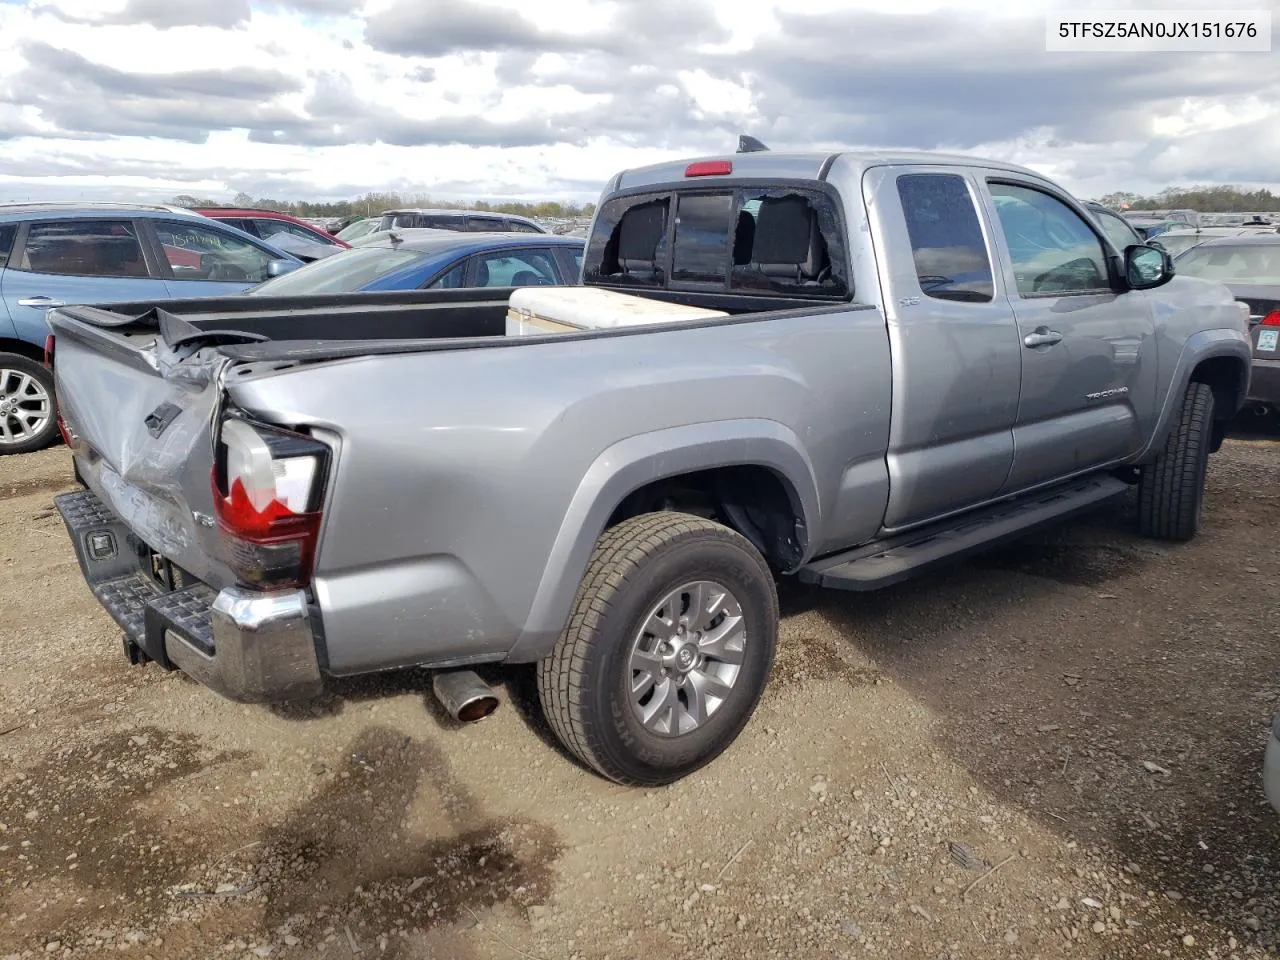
(1054, 251)
(951, 258)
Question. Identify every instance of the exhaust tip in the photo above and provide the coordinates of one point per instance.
(464, 695)
(477, 709)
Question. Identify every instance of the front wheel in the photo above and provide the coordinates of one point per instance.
(28, 420)
(667, 651)
(1171, 488)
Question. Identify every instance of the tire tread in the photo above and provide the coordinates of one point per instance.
(1171, 489)
(618, 555)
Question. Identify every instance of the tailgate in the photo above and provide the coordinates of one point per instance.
(139, 419)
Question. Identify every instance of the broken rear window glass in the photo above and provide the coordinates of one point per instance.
(788, 241)
(753, 240)
(629, 243)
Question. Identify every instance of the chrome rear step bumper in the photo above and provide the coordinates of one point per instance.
(248, 645)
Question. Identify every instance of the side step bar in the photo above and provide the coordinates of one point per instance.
(899, 558)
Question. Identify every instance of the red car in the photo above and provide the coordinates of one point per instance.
(268, 225)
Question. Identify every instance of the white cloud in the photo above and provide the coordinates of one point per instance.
(563, 97)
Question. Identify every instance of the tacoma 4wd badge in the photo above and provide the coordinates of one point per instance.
(1103, 394)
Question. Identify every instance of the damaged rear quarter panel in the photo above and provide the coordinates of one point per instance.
(457, 468)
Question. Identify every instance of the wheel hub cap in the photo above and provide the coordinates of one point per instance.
(686, 657)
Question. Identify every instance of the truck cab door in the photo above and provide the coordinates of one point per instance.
(1087, 342)
(953, 337)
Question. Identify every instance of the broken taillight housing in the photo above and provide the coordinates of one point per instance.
(268, 486)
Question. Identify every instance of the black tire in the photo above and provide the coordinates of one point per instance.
(1171, 489)
(583, 684)
(45, 435)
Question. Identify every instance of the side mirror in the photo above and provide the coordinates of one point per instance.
(1146, 267)
(278, 268)
(1157, 244)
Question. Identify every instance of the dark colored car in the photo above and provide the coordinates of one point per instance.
(438, 260)
(280, 230)
(1250, 268)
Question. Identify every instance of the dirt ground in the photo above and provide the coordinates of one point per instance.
(1051, 751)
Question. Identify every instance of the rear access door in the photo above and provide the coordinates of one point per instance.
(956, 357)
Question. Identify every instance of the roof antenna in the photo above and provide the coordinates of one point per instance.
(747, 144)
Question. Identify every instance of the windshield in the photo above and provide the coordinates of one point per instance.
(358, 229)
(345, 272)
(1255, 263)
(1175, 243)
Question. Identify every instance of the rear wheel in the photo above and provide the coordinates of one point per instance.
(1171, 489)
(28, 420)
(667, 651)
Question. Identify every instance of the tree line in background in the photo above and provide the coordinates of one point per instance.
(1207, 199)
(375, 203)
(1212, 199)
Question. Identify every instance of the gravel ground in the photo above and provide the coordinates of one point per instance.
(1051, 751)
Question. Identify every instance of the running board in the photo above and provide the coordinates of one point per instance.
(889, 561)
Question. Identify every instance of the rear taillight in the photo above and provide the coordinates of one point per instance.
(48, 351)
(268, 486)
(1272, 319)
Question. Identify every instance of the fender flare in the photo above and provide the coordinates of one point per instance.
(632, 463)
(1225, 342)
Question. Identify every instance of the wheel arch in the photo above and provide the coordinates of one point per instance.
(752, 467)
(1219, 357)
(22, 349)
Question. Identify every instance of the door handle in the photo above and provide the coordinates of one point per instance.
(1043, 337)
(40, 302)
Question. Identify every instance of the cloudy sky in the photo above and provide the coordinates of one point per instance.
(536, 99)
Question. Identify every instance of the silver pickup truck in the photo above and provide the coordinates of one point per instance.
(919, 355)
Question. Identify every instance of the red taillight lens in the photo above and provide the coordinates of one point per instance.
(709, 168)
(1272, 319)
(267, 487)
(48, 351)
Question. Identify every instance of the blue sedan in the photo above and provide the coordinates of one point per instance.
(437, 260)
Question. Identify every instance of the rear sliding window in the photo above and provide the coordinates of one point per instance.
(746, 240)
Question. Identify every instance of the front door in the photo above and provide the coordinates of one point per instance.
(956, 357)
(1088, 345)
(204, 260)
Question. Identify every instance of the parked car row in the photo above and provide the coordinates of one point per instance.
(55, 254)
